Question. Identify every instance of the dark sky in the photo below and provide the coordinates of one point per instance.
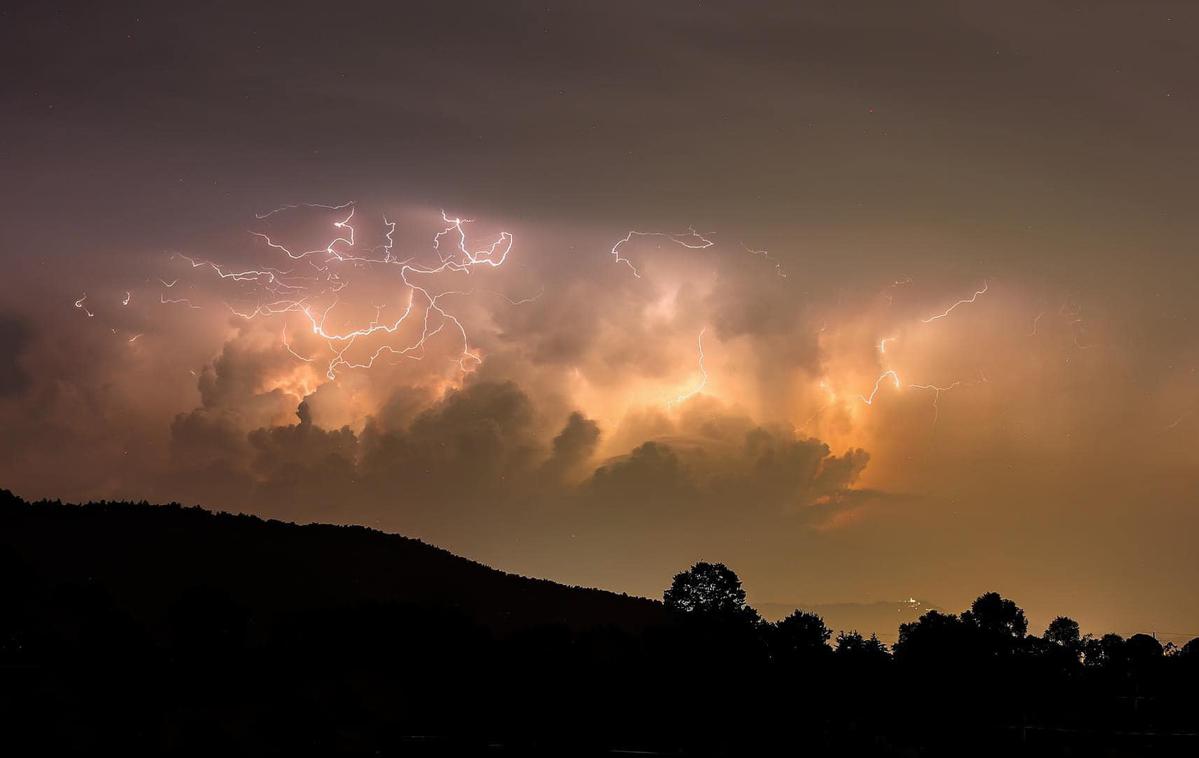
(851, 171)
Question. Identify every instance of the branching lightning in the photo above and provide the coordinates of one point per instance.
(310, 287)
(329, 249)
(691, 239)
(287, 345)
(936, 396)
(937, 390)
(315, 296)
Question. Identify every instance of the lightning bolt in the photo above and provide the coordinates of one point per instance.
(877, 382)
(309, 288)
(329, 249)
(80, 305)
(299, 294)
(1036, 321)
(936, 396)
(274, 278)
(523, 300)
(181, 301)
(287, 345)
(703, 382)
(1174, 424)
(952, 308)
(691, 239)
(280, 209)
(778, 267)
(1072, 313)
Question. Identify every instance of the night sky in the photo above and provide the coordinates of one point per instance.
(911, 310)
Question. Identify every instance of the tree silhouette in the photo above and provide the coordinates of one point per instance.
(1063, 632)
(852, 646)
(802, 636)
(937, 639)
(1142, 651)
(1191, 649)
(996, 615)
(1104, 652)
(712, 590)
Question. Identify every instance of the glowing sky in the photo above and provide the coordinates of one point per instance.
(910, 310)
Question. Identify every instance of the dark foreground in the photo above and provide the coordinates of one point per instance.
(163, 630)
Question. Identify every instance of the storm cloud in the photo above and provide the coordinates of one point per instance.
(784, 396)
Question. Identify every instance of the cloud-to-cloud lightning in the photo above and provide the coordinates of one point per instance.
(703, 372)
(952, 308)
(315, 295)
(691, 239)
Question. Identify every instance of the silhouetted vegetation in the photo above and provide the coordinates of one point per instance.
(169, 630)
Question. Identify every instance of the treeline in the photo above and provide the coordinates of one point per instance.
(975, 681)
(91, 661)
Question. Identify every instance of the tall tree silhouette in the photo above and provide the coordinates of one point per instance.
(1106, 652)
(709, 589)
(994, 614)
(934, 640)
(802, 637)
(1063, 632)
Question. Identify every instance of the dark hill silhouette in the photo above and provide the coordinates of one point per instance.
(134, 629)
(144, 554)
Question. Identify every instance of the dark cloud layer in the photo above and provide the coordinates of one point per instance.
(15, 337)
